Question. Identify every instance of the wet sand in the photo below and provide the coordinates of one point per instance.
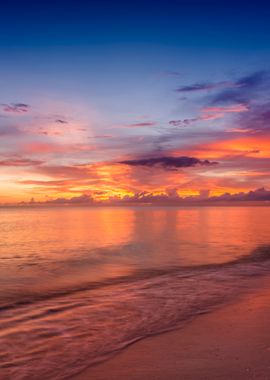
(230, 343)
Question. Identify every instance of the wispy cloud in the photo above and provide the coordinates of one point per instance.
(142, 124)
(20, 162)
(257, 119)
(203, 117)
(38, 147)
(240, 91)
(205, 86)
(15, 107)
(101, 137)
(234, 108)
(60, 121)
(209, 113)
(245, 89)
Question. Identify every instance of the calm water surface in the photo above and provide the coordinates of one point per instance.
(78, 284)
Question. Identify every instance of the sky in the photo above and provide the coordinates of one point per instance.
(111, 101)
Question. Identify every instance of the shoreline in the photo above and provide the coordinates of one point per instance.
(231, 342)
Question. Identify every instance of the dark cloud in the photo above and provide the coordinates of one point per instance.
(60, 121)
(190, 121)
(168, 197)
(204, 86)
(146, 197)
(169, 162)
(143, 124)
(257, 119)
(181, 123)
(15, 107)
(244, 89)
(231, 97)
(172, 197)
(257, 195)
(252, 80)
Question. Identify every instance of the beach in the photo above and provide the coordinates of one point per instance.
(232, 342)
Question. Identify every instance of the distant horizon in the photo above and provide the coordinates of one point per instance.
(258, 196)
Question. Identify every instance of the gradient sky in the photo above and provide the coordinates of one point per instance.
(115, 99)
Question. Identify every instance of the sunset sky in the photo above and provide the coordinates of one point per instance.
(122, 99)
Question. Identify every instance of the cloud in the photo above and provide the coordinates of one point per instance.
(257, 119)
(66, 172)
(60, 121)
(234, 108)
(203, 117)
(143, 124)
(179, 123)
(232, 147)
(44, 147)
(244, 90)
(17, 162)
(210, 113)
(257, 195)
(171, 196)
(205, 86)
(15, 107)
(101, 137)
(168, 162)
(82, 199)
(252, 80)
(240, 91)
(203, 197)
(37, 147)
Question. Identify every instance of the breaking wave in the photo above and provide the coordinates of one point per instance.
(58, 334)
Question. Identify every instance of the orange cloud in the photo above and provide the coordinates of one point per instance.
(249, 146)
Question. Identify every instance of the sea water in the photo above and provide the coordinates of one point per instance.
(77, 284)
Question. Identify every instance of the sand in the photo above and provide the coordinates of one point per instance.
(231, 343)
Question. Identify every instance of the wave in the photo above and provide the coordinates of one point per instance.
(59, 334)
(259, 255)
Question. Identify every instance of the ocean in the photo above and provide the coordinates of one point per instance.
(78, 284)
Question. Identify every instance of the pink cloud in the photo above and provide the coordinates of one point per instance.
(17, 162)
(235, 108)
(211, 113)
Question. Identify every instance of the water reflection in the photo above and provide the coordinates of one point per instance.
(53, 247)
